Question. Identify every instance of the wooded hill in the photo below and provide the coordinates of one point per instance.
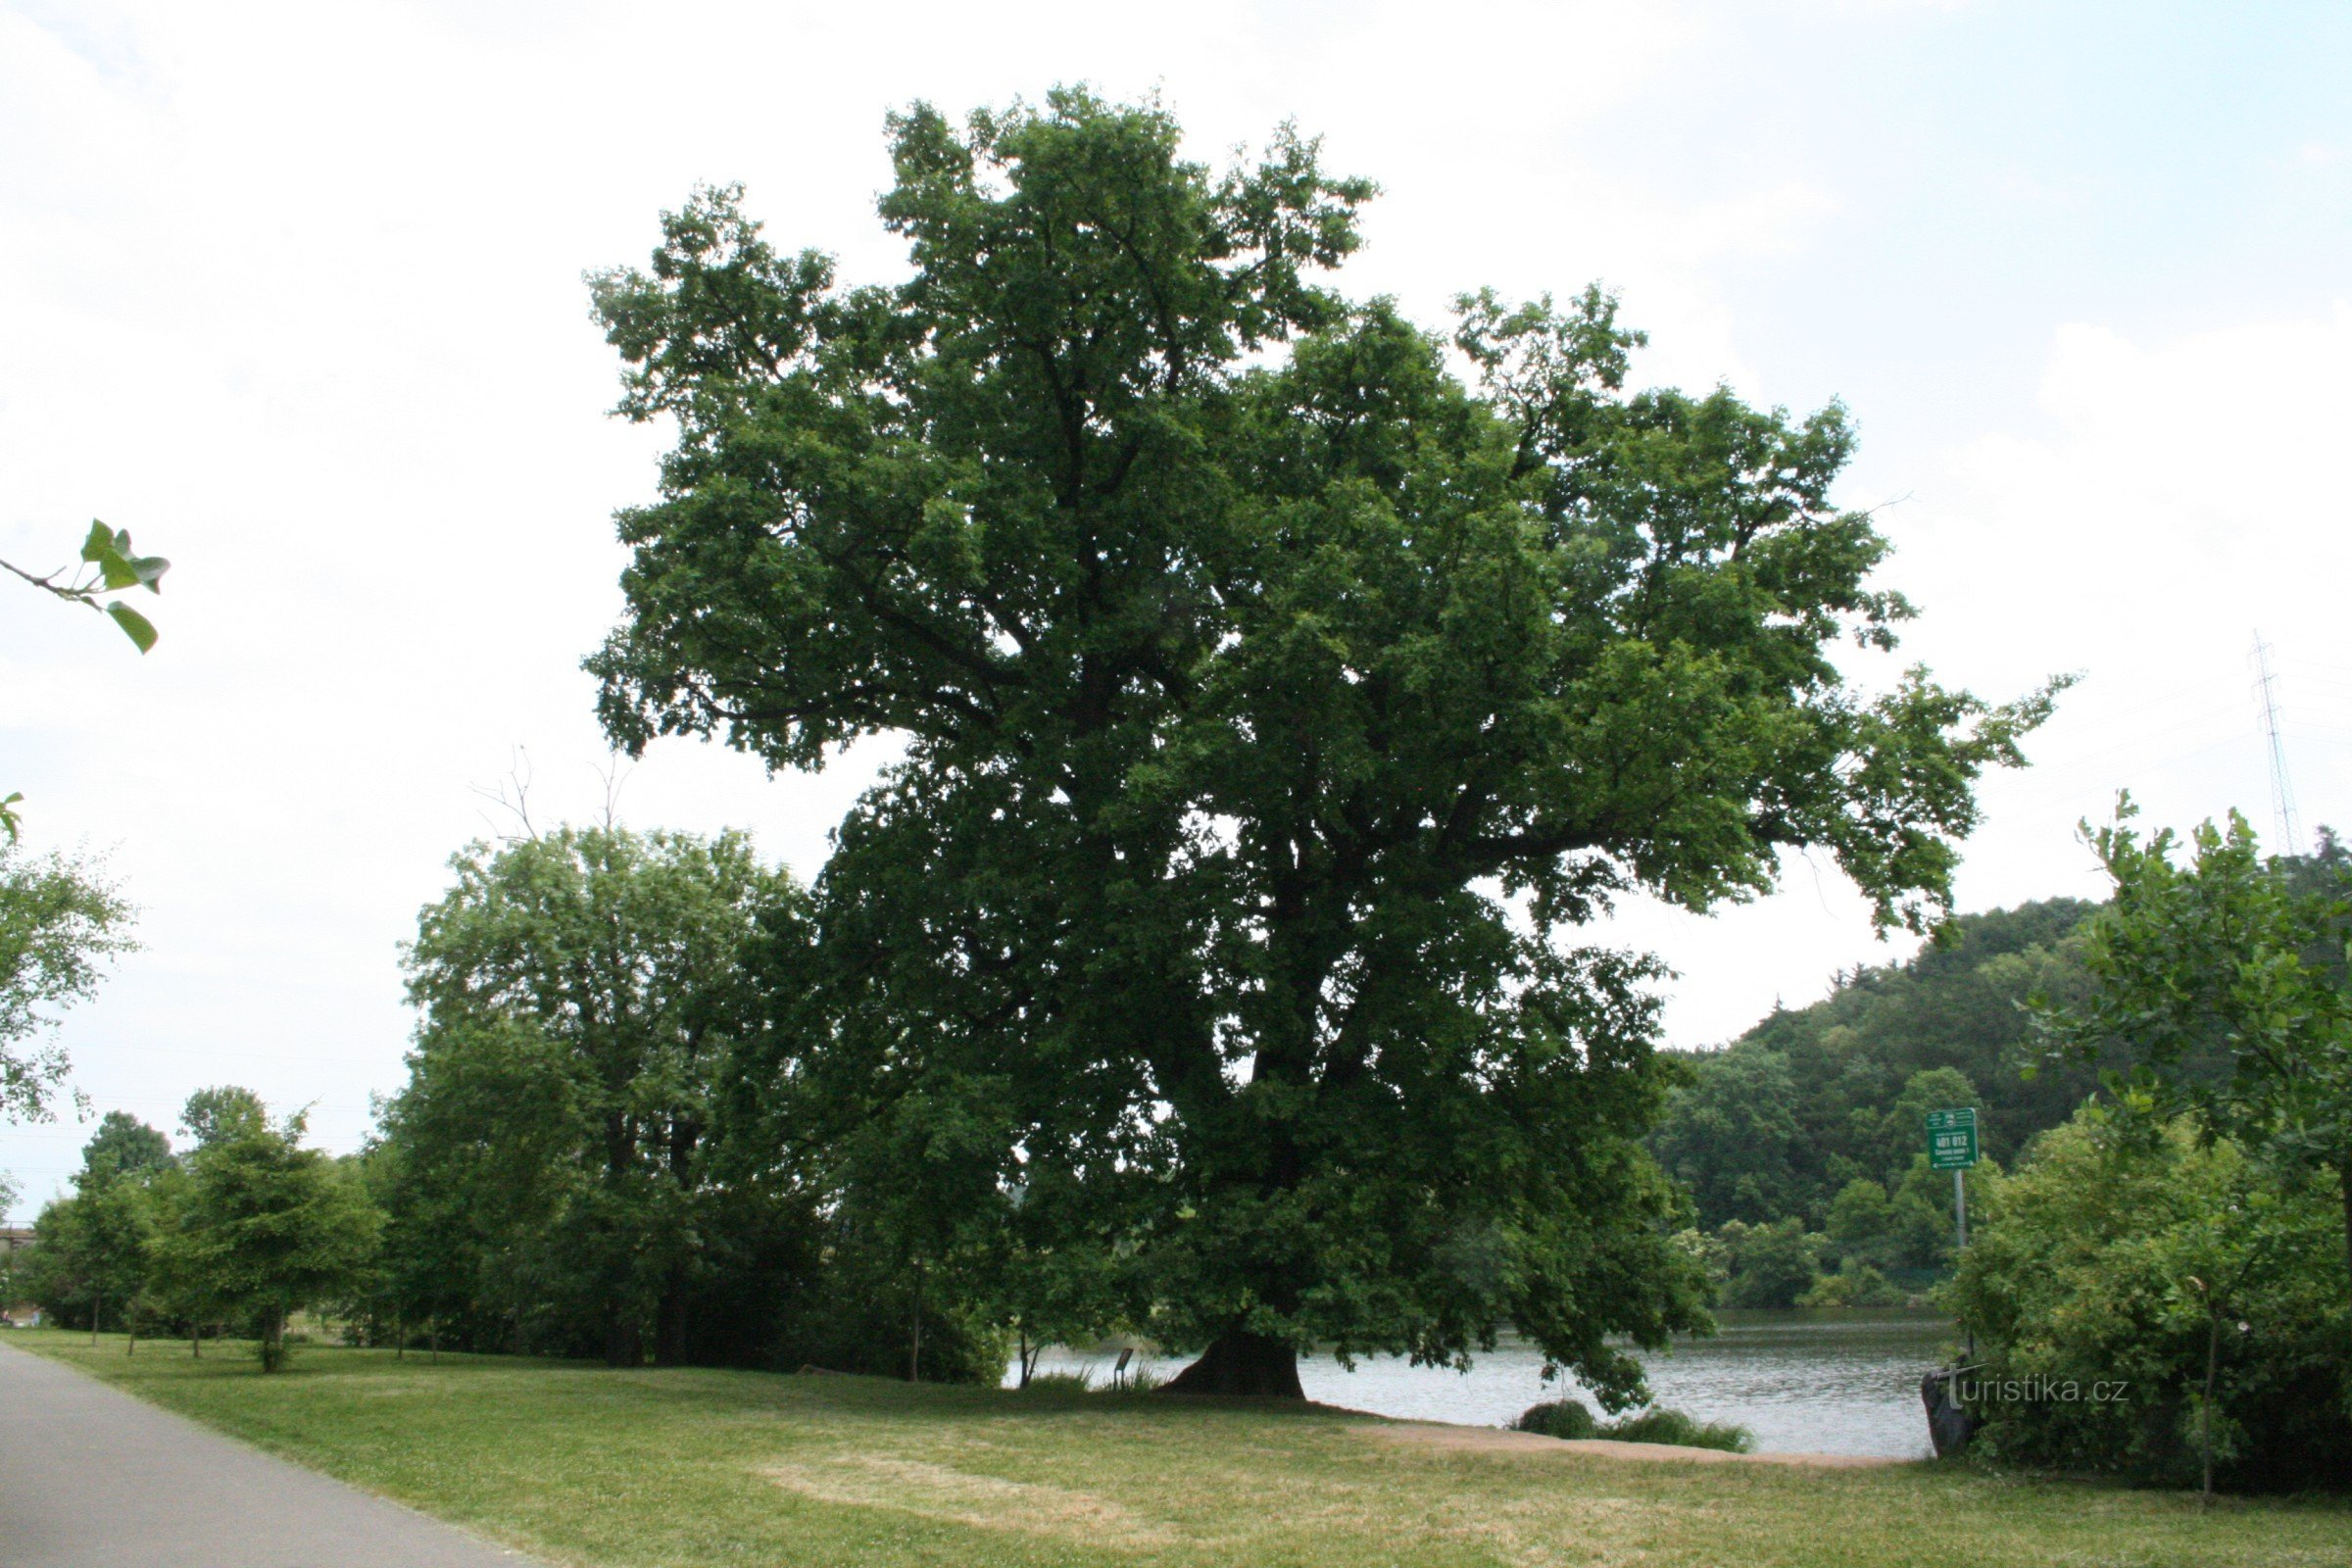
(1780, 1121)
(1801, 1141)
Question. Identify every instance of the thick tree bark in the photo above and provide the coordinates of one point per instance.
(1237, 1363)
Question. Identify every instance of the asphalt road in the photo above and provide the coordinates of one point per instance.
(92, 1478)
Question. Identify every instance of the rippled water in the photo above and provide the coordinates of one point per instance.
(1842, 1382)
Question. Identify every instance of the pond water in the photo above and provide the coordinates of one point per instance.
(1828, 1382)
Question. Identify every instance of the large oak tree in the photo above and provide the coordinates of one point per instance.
(1282, 688)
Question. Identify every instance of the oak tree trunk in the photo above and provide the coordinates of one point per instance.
(1237, 1362)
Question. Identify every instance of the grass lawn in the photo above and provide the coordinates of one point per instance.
(687, 1469)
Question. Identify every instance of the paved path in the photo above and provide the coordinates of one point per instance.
(92, 1478)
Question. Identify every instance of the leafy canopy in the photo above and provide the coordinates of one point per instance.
(579, 994)
(261, 1226)
(1281, 687)
(60, 921)
(2222, 982)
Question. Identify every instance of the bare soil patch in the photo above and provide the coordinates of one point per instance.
(958, 1496)
(1496, 1440)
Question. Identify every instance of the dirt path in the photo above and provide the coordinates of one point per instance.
(1495, 1440)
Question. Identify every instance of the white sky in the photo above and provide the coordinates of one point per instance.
(293, 293)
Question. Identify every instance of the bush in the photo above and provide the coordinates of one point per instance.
(2104, 1272)
(1853, 1285)
(1557, 1418)
(1569, 1419)
(1672, 1426)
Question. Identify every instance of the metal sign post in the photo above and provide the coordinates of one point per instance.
(1952, 1147)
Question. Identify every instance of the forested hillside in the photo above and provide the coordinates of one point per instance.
(1801, 1141)
(1809, 1100)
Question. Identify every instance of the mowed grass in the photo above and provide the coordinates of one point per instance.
(686, 1469)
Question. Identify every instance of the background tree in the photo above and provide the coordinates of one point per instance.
(1733, 1136)
(580, 995)
(123, 1146)
(1814, 1114)
(1273, 718)
(60, 921)
(93, 1251)
(264, 1226)
(227, 1110)
(2233, 959)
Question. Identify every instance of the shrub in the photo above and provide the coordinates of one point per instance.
(2104, 1273)
(1569, 1419)
(1672, 1426)
(1854, 1284)
(1557, 1418)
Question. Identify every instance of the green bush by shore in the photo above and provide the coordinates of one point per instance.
(1570, 1419)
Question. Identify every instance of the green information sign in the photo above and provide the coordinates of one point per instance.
(1951, 1140)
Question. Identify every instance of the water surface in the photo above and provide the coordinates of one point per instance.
(1826, 1382)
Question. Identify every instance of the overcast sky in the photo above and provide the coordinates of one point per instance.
(293, 293)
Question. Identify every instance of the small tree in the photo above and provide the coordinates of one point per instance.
(93, 1249)
(2223, 985)
(265, 1226)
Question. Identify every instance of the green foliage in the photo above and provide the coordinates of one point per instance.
(1672, 1426)
(1571, 1420)
(1770, 1265)
(1558, 1418)
(1855, 1284)
(2234, 963)
(91, 1253)
(1785, 1119)
(123, 1146)
(113, 565)
(262, 1226)
(559, 1171)
(60, 921)
(1861, 1225)
(227, 1110)
(1278, 707)
(1732, 1137)
(2102, 1276)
